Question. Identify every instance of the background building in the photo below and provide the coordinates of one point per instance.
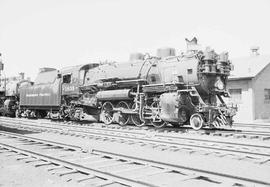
(249, 86)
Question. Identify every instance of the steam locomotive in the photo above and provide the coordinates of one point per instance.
(157, 90)
(10, 93)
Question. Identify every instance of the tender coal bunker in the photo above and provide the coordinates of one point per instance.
(18, 131)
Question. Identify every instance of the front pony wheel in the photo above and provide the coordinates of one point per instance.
(196, 121)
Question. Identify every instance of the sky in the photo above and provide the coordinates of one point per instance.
(50, 33)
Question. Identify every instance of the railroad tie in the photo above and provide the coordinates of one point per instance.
(23, 157)
(55, 167)
(189, 177)
(131, 169)
(11, 154)
(90, 176)
(264, 138)
(31, 160)
(105, 183)
(151, 173)
(112, 164)
(82, 159)
(263, 161)
(238, 136)
(66, 172)
(42, 163)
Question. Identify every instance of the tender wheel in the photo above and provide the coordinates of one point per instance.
(106, 115)
(17, 114)
(135, 118)
(196, 121)
(122, 118)
(156, 121)
(41, 114)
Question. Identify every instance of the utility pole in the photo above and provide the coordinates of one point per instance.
(1, 68)
(1, 64)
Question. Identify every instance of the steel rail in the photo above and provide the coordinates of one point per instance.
(143, 134)
(177, 167)
(173, 129)
(180, 129)
(171, 143)
(256, 125)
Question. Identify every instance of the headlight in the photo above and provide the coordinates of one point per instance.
(219, 84)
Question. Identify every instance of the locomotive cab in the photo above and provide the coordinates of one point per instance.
(73, 78)
(10, 97)
(74, 98)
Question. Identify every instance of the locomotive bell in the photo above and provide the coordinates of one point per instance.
(224, 56)
(165, 52)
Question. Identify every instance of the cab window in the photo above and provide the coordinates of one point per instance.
(82, 76)
(67, 78)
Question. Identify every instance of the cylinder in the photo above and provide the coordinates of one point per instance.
(107, 95)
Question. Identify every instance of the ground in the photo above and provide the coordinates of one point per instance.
(18, 173)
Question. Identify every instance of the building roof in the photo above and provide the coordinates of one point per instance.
(248, 67)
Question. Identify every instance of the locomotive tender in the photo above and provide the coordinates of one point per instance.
(147, 89)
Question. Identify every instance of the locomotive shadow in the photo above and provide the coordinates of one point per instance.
(168, 128)
(17, 131)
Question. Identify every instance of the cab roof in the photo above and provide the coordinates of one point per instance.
(70, 69)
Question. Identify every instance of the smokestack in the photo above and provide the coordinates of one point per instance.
(1, 63)
(254, 50)
(192, 45)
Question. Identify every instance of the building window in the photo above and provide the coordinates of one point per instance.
(267, 95)
(236, 95)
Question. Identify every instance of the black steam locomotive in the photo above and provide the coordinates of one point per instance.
(156, 90)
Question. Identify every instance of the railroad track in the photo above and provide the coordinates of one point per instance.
(100, 168)
(232, 133)
(253, 126)
(255, 153)
(229, 133)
